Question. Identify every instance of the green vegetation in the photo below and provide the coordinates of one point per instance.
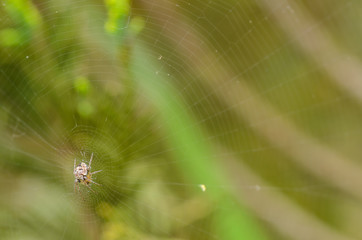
(206, 119)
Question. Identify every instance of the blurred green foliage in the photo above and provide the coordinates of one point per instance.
(10, 37)
(155, 89)
(23, 13)
(195, 157)
(118, 12)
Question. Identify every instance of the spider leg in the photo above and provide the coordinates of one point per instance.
(76, 183)
(96, 172)
(93, 182)
(90, 189)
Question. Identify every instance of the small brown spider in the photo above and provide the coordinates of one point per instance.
(83, 174)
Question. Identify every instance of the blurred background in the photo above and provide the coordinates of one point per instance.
(237, 119)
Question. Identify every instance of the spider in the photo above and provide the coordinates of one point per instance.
(83, 174)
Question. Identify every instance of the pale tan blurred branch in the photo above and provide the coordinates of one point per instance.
(285, 136)
(342, 67)
(279, 131)
(306, 151)
(286, 216)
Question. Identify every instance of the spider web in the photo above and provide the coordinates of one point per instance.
(273, 86)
